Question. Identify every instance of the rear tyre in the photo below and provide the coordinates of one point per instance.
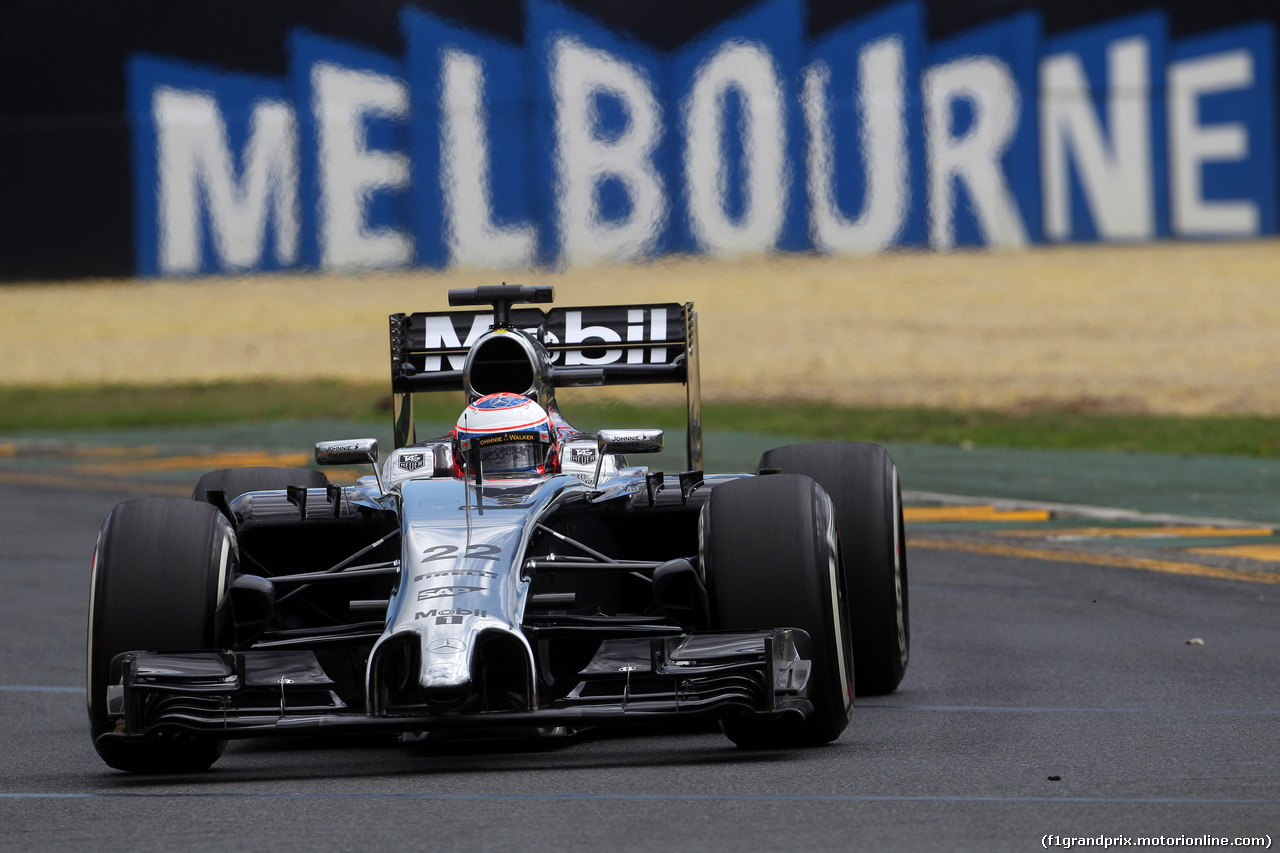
(863, 484)
(768, 548)
(236, 481)
(161, 571)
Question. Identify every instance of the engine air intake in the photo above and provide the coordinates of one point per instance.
(501, 364)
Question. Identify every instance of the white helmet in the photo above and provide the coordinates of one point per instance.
(505, 433)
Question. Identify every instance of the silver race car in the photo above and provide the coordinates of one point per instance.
(515, 577)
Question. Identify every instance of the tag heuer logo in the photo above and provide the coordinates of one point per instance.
(582, 456)
(413, 461)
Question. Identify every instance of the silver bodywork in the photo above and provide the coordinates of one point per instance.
(463, 544)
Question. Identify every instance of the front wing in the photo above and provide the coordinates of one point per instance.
(231, 695)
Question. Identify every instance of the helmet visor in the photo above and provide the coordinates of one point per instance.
(508, 452)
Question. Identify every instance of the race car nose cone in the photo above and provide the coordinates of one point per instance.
(445, 674)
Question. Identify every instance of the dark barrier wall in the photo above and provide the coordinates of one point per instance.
(208, 136)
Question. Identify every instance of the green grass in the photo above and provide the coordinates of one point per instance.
(182, 405)
(23, 409)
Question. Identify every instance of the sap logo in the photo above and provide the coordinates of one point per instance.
(448, 592)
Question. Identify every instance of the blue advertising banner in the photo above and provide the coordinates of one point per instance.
(559, 133)
(1222, 133)
(1102, 137)
(469, 143)
(980, 94)
(353, 113)
(864, 160)
(216, 162)
(602, 165)
(741, 135)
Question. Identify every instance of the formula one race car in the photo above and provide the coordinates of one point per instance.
(517, 576)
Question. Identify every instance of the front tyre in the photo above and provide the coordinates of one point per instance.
(863, 483)
(160, 575)
(768, 548)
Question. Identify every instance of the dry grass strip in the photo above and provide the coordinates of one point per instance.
(1174, 328)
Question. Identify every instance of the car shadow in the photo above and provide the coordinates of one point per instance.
(381, 756)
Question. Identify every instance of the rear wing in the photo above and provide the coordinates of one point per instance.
(592, 346)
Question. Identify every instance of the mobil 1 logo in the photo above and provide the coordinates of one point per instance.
(449, 616)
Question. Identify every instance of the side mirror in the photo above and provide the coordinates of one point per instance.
(625, 441)
(351, 451)
(629, 441)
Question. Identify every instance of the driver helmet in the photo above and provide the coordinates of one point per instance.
(506, 433)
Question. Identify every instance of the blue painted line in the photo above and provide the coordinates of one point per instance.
(778, 798)
(36, 688)
(1018, 709)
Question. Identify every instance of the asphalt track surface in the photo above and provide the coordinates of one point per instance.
(1043, 698)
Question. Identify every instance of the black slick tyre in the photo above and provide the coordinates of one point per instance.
(768, 550)
(863, 483)
(236, 481)
(160, 575)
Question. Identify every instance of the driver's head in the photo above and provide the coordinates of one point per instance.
(505, 433)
